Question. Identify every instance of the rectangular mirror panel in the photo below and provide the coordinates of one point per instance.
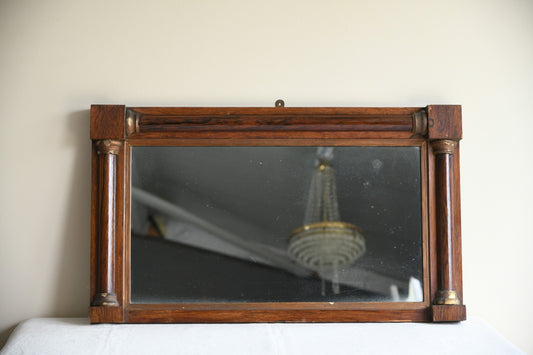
(276, 224)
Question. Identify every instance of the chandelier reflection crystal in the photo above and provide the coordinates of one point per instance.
(324, 244)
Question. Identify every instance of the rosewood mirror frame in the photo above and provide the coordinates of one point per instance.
(116, 128)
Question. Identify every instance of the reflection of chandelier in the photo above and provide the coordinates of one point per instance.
(324, 243)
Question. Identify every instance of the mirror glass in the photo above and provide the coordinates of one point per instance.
(276, 224)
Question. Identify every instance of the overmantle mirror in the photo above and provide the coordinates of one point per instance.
(275, 214)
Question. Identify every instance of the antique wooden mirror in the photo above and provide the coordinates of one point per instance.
(243, 214)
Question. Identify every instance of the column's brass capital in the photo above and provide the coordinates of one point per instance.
(447, 297)
(444, 146)
(108, 146)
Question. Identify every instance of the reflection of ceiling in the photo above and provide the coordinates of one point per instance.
(259, 193)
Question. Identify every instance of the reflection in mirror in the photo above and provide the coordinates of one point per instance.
(276, 224)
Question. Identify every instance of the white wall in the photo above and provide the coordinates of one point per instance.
(59, 56)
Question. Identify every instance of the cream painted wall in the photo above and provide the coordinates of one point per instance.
(59, 56)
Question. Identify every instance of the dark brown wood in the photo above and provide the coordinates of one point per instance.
(105, 294)
(444, 122)
(124, 242)
(456, 222)
(120, 228)
(281, 306)
(107, 122)
(106, 314)
(221, 112)
(107, 212)
(426, 245)
(219, 126)
(432, 220)
(269, 316)
(446, 233)
(282, 122)
(259, 142)
(268, 135)
(275, 123)
(279, 312)
(95, 215)
(444, 222)
(448, 313)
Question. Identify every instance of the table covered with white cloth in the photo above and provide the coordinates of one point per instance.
(77, 336)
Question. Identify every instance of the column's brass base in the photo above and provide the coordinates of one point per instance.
(447, 297)
(105, 299)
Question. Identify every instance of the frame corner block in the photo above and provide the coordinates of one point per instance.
(448, 313)
(106, 314)
(107, 122)
(444, 122)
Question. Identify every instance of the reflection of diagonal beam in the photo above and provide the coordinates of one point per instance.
(366, 280)
(262, 251)
(354, 276)
(188, 234)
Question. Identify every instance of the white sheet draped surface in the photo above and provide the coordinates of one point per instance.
(47, 336)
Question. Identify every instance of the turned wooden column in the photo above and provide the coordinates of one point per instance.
(443, 150)
(444, 133)
(105, 294)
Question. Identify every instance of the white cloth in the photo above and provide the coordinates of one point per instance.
(77, 336)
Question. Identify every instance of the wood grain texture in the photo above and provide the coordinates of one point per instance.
(124, 240)
(432, 220)
(425, 203)
(281, 306)
(268, 135)
(266, 316)
(107, 236)
(107, 122)
(448, 313)
(456, 222)
(105, 219)
(107, 132)
(259, 142)
(447, 223)
(267, 122)
(221, 112)
(281, 126)
(444, 221)
(106, 315)
(95, 202)
(120, 227)
(276, 122)
(444, 122)
(106, 240)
